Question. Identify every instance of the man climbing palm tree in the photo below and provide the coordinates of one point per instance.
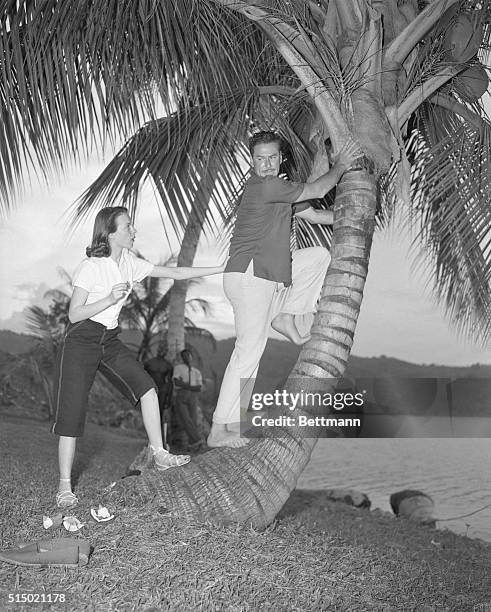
(264, 283)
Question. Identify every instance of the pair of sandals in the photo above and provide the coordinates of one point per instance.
(163, 460)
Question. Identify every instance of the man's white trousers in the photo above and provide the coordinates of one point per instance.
(256, 302)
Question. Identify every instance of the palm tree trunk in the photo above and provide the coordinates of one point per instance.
(251, 484)
(326, 355)
(189, 245)
(177, 302)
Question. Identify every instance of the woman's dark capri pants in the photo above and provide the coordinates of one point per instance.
(89, 346)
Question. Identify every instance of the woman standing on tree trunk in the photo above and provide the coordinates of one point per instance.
(101, 284)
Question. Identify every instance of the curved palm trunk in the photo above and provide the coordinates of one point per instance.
(189, 245)
(177, 302)
(326, 355)
(251, 484)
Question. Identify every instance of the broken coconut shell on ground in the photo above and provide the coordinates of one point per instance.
(350, 497)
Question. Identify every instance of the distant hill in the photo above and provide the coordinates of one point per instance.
(471, 389)
(16, 344)
(408, 386)
(363, 367)
(279, 357)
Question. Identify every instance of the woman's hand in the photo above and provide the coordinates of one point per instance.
(119, 291)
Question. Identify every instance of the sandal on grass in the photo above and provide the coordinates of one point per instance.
(66, 499)
(164, 460)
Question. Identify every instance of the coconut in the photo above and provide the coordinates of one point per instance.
(447, 17)
(462, 39)
(475, 81)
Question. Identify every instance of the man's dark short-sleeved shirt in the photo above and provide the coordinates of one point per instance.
(262, 228)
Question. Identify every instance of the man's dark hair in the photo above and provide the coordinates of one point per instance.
(264, 138)
(186, 353)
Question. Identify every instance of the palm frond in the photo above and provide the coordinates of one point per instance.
(451, 191)
(37, 322)
(450, 180)
(75, 74)
(199, 306)
(175, 152)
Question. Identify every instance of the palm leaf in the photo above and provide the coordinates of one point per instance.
(74, 74)
(37, 321)
(200, 306)
(175, 151)
(451, 189)
(450, 184)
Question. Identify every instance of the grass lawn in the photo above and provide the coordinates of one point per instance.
(318, 555)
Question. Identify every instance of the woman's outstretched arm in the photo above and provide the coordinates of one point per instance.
(184, 273)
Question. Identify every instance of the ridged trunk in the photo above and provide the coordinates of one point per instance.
(327, 353)
(251, 484)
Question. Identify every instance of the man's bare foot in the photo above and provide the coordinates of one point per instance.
(230, 439)
(285, 324)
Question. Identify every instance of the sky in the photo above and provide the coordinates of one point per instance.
(398, 318)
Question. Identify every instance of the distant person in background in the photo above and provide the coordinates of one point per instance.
(161, 370)
(188, 383)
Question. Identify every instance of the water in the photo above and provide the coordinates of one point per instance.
(456, 472)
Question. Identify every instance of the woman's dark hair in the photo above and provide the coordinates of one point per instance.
(264, 138)
(104, 224)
